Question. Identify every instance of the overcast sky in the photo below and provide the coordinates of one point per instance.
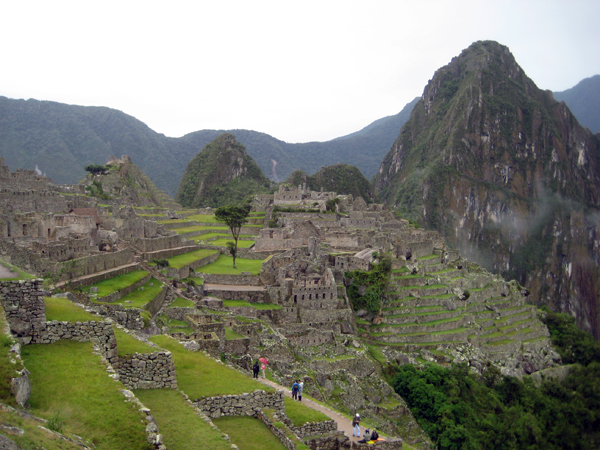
(299, 71)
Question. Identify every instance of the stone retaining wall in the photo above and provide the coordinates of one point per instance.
(154, 305)
(23, 303)
(236, 280)
(100, 333)
(159, 243)
(95, 263)
(147, 371)
(240, 405)
(130, 318)
(104, 276)
(279, 434)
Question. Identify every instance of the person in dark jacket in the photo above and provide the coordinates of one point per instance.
(295, 388)
(255, 369)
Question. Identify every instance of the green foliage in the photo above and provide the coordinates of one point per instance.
(331, 204)
(55, 423)
(222, 173)
(461, 410)
(573, 345)
(96, 169)
(234, 217)
(371, 283)
(161, 263)
(96, 190)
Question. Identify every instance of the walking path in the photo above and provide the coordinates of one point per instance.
(5, 272)
(344, 424)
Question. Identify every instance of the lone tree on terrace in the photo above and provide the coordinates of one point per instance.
(234, 217)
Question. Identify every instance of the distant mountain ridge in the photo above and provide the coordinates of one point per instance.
(62, 139)
(584, 101)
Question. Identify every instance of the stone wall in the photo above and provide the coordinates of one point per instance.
(237, 280)
(130, 318)
(147, 371)
(95, 263)
(23, 303)
(100, 333)
(154, 305)
(240, 405)
(158, 243)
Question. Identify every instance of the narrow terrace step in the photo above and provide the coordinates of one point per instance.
(423, 327)
(408, 280)
(425, 301)
(450, 273)
(459, 334)
(169, 252)
(429, 260)
(421, 317)
(419, 291)
(410, 310)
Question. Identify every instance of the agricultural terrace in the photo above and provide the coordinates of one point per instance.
(117, 283)
(201, 376)
(185, 259)
(224, 266)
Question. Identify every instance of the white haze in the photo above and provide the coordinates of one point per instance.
(299, 71)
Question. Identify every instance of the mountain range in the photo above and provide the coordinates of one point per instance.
(507, 174)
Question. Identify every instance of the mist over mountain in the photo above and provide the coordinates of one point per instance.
(584, 101)
(506, 174)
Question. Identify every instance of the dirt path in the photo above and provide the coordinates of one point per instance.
(343, 423)
(5, 272)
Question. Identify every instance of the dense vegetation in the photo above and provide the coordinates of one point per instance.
(461, 410)
(222, 173)
(341, 178)
(366, 288)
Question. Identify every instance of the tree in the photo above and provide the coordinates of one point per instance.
(234, 217)
(96, 169)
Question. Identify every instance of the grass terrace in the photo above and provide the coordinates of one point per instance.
(224, 266)
(203, 218)
(231, 335)
(185, 259)
(172, 221)
(223, 243)
(176, 326)
(182, 303)
(61, 371)
(117, 283)
(64, 310)
(191, 229)
(300, 414)
(248, 433)
(201, 376)
(142, 296)
(174, 415)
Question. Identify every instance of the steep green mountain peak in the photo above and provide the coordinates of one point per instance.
(220, 174)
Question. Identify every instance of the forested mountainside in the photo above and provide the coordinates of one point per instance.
(584, 101)
(506, 174)
(341, 178)
(221, 174)
(62, 139)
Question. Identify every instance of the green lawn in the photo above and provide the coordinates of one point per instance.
(117, 283)
(200, 376)
(204, 218)
(183, 260)
(62, 309)
(217, 229)
(223, 243)
(140, 297)
(299, 413)
(205, 236)
(178, 423)
(224, 265)
(231, 335)
(69, 380)
(182, 303)
(248, 433)
(128, 345)
(176, 326)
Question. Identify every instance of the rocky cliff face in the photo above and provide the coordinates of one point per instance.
(222, 173)
(507, 175)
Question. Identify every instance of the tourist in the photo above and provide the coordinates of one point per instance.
(356, 425)
(295, 387)
(255, 369)
(366, 437)
(300, 389)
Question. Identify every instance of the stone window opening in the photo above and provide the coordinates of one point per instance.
(295, 299)
(24, 229)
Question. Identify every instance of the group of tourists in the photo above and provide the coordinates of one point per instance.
(368, 436)
(260, 364)
(297, 389)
